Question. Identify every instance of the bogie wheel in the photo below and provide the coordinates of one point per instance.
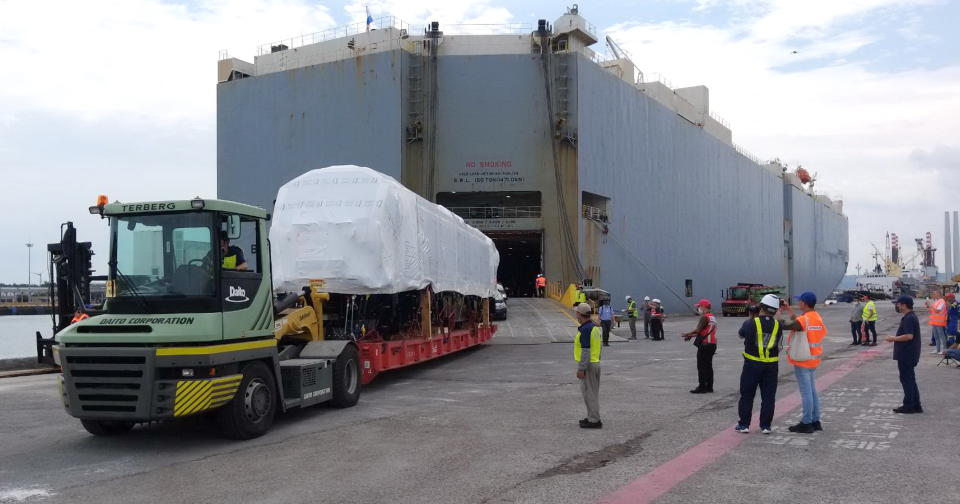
(250, 413)
(346, 378)
(106, 427)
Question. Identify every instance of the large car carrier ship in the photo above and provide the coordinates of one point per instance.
(574, 164)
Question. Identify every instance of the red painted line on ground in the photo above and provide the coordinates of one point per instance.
(668, 475)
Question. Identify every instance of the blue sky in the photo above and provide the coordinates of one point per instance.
(118, 97)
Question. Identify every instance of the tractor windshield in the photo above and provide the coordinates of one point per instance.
(162, 262)
(738, 293)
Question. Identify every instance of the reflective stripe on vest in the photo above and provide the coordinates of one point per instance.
(632, 309)
(938, 314)
(581, 297)
(709, 332)
(816, 331)
(596, 340)
(230, 262)
(869, 312)
(764, 352)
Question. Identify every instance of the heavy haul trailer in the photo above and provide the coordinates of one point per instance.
(191, 325)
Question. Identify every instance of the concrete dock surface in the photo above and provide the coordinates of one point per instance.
(498, 424)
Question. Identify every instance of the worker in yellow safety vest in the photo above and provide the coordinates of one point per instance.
(579, 296)
(586, 352)
(869, 321)
(762, 338)
(232, 256)
(632, 317)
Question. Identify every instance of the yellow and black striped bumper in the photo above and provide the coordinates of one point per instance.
(194, 396)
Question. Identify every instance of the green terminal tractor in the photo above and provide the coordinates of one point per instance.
(190, 326)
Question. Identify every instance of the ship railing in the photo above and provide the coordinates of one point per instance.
(747, 154)
(335, 33)
(480, 29)
(513, 212)
(594, 213)
(719, 119)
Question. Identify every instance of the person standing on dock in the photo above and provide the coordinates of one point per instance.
(953, 319)
(632, 317)
(705, 339)
(869, 317)
(606, 319)
(938, 321)
(906, 351)
(856, 322)
(586, 351)
(761, 348)
(806, 371)
(656, 320)
(646, 316)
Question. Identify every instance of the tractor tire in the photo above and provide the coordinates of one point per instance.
(250, 413)
(346, 378)
(106, 427)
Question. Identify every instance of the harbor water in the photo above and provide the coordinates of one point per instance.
(18, 334)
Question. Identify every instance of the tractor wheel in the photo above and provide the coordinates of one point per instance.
(346, 378)
(250, 413)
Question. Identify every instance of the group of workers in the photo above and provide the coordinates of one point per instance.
(763, 341)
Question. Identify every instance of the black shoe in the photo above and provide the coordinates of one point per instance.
(903, 410)
(591, 425)
(817, 426)
(854, 343)
(708, 390)
(873, 344)
(606, 344)
(801, 428)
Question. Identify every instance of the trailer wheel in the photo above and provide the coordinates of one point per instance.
(346, 378)
(106, 427)
(250, 413)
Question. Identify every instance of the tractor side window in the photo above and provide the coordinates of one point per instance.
(238, 245)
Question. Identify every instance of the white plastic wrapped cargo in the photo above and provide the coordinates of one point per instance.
(362, 232)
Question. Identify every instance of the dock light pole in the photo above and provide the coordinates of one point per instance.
(29, 268)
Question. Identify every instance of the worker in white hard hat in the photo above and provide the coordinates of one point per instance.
(656, 320)
(645, 308)
(632, 317)
(762, 338)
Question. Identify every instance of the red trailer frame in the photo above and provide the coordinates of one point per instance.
(379, 356)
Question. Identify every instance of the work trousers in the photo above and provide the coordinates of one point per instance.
(705, 364)
(590, 389)
(646, 327)
(633, 327)
(758, 374)
(869, 326)
(855, 330)
(540, 291)
(606, 325)
(656, 327)
(809, 399)
(940, 334)
(908, 379)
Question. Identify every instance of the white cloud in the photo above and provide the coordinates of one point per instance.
(444, 11)
(141, 57)
(857, 127)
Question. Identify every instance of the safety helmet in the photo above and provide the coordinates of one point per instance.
(704, 303)
(646, 298)
(771, 301)
(656, 301)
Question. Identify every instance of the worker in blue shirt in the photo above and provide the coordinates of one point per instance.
(953, 319)
(606, 319)
(906, 351)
